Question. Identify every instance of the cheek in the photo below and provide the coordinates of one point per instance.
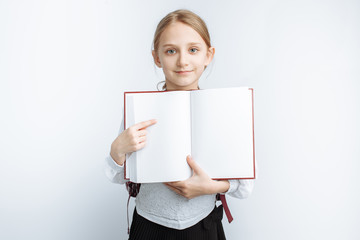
(166, 66)
(201, 62)
(166, 63)
(202, 58)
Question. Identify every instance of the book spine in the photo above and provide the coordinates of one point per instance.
(191, 124)
(252, 100)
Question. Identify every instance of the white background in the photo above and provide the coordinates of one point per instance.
(65, 64)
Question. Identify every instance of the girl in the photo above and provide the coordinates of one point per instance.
(183, 209)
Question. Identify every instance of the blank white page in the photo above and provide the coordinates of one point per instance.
(130, 157)
(222, 132)
(168, 141)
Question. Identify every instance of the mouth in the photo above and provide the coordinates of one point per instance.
(183, 72)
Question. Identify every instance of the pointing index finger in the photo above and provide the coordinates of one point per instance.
(145, 124)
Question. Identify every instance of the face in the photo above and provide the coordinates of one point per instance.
(182, 55)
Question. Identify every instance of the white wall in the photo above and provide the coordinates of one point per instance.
(65, 64)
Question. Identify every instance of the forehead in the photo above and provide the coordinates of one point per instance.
(180, 34)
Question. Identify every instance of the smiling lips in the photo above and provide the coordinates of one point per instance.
(183, 72)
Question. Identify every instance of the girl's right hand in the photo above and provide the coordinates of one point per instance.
(130, 140)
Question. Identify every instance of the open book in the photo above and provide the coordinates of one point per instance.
(214, 126)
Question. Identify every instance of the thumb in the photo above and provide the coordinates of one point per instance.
(193, 165)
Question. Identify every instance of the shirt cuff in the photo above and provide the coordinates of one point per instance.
(113, 165)
(234, 184)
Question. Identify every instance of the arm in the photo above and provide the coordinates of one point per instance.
(114, 170)
(198, 184)
(201, 184)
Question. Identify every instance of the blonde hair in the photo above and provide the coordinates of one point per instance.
(184, 16)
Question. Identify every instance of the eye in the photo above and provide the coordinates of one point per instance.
(193, 50)
(171, 51)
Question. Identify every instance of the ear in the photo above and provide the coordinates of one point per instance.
(156, 59)
(210, 55)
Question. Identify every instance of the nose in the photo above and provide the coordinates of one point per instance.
(182, 59)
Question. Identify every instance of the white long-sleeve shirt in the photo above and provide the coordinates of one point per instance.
(159, 204)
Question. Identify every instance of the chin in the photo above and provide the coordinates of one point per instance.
(187, 86)
(182, 82)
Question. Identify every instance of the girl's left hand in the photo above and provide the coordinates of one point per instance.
(198, 184)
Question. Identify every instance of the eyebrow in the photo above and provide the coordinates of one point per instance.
(191, 43)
